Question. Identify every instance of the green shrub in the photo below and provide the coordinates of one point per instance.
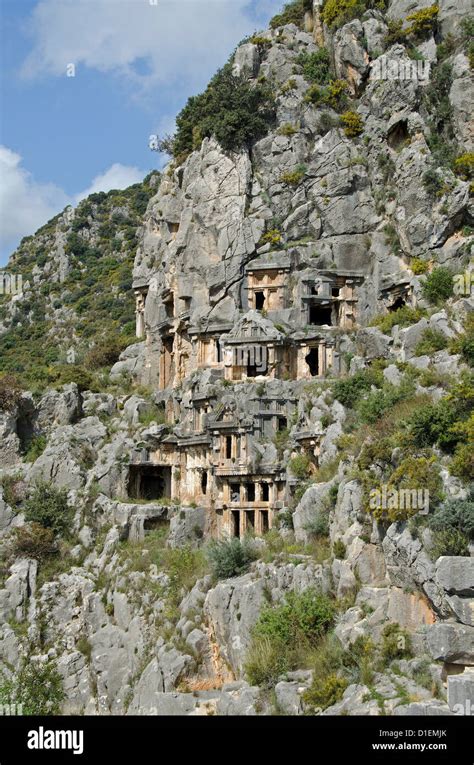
(403, 317)
(230, 109)
(287, 129)
(316, 95)
(280, 440)
(464, 166)
(13, 489)
(431, 424)
(265, 662)
(432, 340)
(335, 13)
(288, 86)
(423, 21)
(349, 390)
(412, 474)
(333, 95)
(152, 413)
(284, 632)
(37, 687)
(419, 266)
(438, 285)
(294, 177)
(337, 94)
(470, 54)
(327, 122)
(300, 466)
(353, 124)
(396, 643)
(49, 507)
(377, 402)
(85, 647)
(378, 451)
(72, 373)
(433, 182)
(395, 33)
(230, 558)
(319, 525)
(449, 542)
(418, 473)
(467, 27)
(305, 616)
(454, 515)
(261, 42)
(36, 448)
(105, 353)
(462, 464)
(436, 101)
(184, 566)
(292, 13)
(273, 237)
(339, 549)
(322, 696)
(465, 345)
(316, 66)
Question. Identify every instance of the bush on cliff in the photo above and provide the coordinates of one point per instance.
(335, 13)
(49, 507)
(456, 514)
(230, 109)
(292, 13)
(438, 285)
(284, 635)
(230, 557)
(37, 687)
(349, 390)
(316, 66)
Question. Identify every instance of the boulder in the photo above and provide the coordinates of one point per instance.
(59, 407)
(455, 574)
(288, 697)
(246, 61)
(312, 503)
(187, 526)
(451, 642)
(463, 608)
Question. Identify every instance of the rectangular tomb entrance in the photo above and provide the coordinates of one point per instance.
(248, 521)
(149, 481)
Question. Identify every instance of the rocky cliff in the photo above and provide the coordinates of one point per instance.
(261, 503)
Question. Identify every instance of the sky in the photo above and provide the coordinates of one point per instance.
(85, 83)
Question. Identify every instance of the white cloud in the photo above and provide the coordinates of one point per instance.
(169, 43)
(25, 205)
(116, 177)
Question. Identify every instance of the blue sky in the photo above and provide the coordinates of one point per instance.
(135, 64)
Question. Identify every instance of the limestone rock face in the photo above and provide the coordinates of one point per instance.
(233, 606)
(351, 58)
(187, 527)
(10, 443)
(451, 642)
(14, 599)
(311, 505)
(456, 575)
(451, 12)
(59, 408)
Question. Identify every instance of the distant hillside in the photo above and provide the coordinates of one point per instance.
(77, 276)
